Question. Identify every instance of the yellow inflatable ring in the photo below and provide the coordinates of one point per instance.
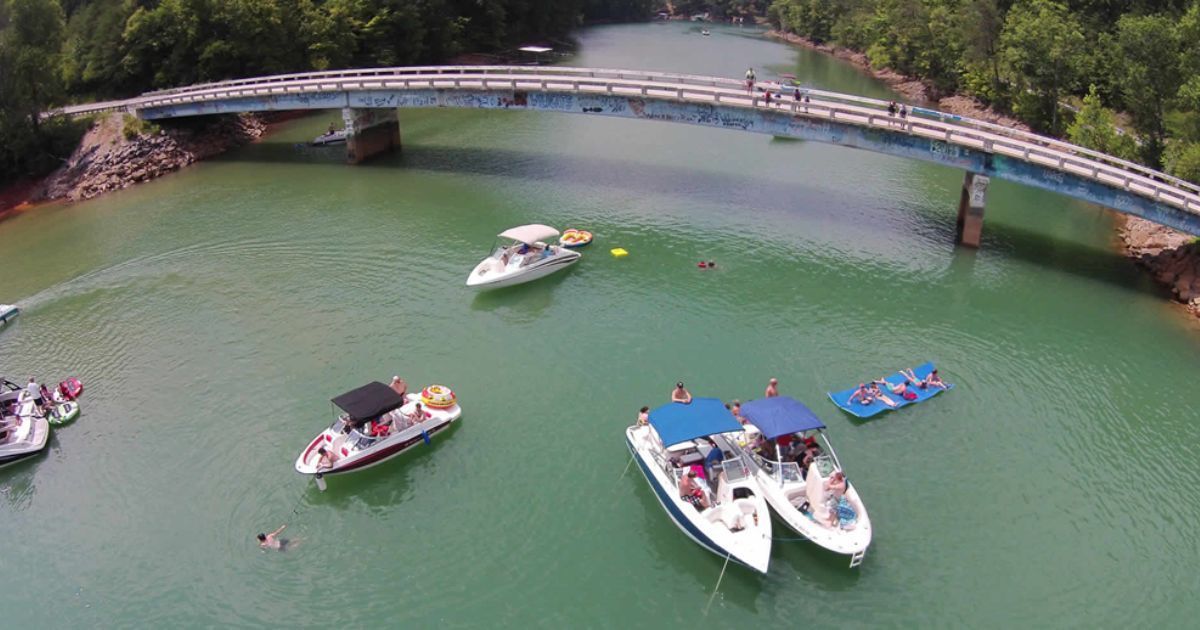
(438, 397)
(575, 238)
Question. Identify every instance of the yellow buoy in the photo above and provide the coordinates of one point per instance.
(619, 252)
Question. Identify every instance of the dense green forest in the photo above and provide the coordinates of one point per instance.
(52, 51)
(1065, 66)
(1062, 66)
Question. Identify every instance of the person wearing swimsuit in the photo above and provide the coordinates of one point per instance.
(272, 540)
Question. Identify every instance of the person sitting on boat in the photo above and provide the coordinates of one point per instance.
(399, 386)
(643, 416)
(836, 484)
(863, 394)
(325, 458)
(681, 394)
(381, 426)
(418, 415)
(691, 492)
(332, 128)
(901, 389)
(807, 457)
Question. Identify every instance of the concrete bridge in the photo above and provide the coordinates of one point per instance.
(369, 99)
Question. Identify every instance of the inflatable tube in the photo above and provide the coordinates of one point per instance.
(438, 397)
(63, 413)
(71, 388)
(573, 238)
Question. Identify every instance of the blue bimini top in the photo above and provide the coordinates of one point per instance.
(780, 415)
(677, 422)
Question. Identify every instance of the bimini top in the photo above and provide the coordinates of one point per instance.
(677, 422)
(780, 415)
(369, 401)
(530, 234)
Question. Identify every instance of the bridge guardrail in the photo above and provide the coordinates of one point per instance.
(965, 131)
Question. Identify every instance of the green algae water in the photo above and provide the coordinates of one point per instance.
(212, 314)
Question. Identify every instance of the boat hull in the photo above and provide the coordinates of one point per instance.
(383, 451)
(695, 527)
(498, 280)
(29, 441)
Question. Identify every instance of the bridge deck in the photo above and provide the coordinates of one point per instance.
(984, 138)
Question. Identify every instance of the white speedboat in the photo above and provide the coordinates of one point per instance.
(377, 423)
(524, 256)
(736, 523)
(804, 500)
(8, 312)
(330, 137)
(58, 407)
(23, 429)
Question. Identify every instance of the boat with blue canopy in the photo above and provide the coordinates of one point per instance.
(786, 446)
(710, 494)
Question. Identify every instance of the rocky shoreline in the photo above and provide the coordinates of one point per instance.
(111, 158)
(1172, 257)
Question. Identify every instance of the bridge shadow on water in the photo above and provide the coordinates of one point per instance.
(851, 210)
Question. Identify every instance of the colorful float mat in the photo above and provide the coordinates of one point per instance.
(842, 398)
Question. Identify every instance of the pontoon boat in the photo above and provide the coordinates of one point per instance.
(525, 256)
(735, 523)
(377, 424)
(776, 437)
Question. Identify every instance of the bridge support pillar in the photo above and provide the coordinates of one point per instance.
(970, 209)
(370, 132)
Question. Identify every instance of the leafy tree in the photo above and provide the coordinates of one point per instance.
(29, 58)
(1183, 160)
(1095, 127)
(1043, 47)
(1149, 80)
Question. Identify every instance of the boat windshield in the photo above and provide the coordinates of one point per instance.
(735, 469)
(789, 472)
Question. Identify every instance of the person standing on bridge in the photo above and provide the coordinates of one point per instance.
(750, 80)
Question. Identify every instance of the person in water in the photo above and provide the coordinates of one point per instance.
(272, 540)
(772, 388)
(643, 416)
(680, 394)
(736, 410)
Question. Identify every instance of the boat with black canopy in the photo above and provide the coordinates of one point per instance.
(712, 496)
(377, 422)
(799, 473)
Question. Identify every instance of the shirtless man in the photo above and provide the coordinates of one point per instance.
(680, 394)
(272, 540)
(325, 459)
(399, 386)
(692, 492)
(643, 416)
(863, 394)
(772, 388)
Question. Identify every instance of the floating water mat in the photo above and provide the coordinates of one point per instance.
(619, 252)
(879, 405)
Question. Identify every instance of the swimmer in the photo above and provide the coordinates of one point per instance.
(643, 416)
(772, 388)
(681, 394)
(272, 540)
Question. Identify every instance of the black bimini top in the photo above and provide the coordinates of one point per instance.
(369, 401)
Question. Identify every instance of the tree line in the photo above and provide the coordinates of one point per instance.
(52, 51)
(1063, 66)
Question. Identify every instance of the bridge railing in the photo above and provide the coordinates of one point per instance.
(842, 107)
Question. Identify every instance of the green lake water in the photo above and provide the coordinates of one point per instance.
(213, 313)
